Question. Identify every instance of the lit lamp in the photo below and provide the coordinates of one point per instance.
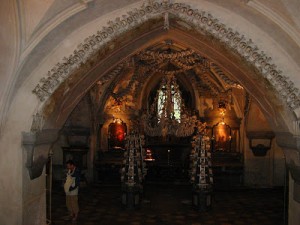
(222, 108)
(149, 157)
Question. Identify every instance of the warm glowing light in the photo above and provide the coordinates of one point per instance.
(222, 112)
(149, 156)
(117, 120)
(221, 130)
(222, 108)
(116, 134)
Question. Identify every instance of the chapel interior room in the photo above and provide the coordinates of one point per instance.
(153, 112)
(173, 111)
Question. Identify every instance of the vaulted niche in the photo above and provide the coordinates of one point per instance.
(169, 109)
(170, 112)
(185, 87)
(116, 135)
(163, 91)
(169, 125)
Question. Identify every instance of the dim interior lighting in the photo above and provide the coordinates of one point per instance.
(149, 156)
(222, 108)
(222, 122)
(117, 120)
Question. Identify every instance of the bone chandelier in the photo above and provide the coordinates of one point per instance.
(182, 60)
(167, 115)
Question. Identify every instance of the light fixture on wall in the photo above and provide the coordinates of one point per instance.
(222, 111)
(263, 141)
(116, 104)
(222, 122)
(117, 120)
(222, 108)
(224, 102)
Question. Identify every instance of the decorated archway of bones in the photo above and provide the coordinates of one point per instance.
(101, 56)
(98, 56)
(214, 40)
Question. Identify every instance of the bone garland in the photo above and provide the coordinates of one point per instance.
(200, 19)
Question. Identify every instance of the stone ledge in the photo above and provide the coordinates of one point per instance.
(288, 140)
(37, 145)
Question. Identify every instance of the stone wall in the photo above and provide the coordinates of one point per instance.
(18, 104)
(262, 171)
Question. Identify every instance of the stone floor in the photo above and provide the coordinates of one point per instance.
(171, 204)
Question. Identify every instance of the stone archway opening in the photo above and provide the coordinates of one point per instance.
(58, 109)
(120, 78)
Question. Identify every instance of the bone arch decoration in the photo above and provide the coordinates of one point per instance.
(142, 71)
(148, 62)
(201, 20)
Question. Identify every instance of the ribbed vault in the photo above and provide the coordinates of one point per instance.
(142, 73)
(118, 59)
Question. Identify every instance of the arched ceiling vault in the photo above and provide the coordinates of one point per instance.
(196, 74)
(228, 62)
(147, 34)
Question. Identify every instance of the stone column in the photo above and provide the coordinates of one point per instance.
(294, 201)
(291, 147)
(36, 147)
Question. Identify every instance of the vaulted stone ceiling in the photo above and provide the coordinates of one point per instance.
(41, 34)
(36, 36)
(131, 81)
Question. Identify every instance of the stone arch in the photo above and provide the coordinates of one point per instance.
(185, 18)
(254, 66)
(199, 30)
(102, 52)
(246, 74)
